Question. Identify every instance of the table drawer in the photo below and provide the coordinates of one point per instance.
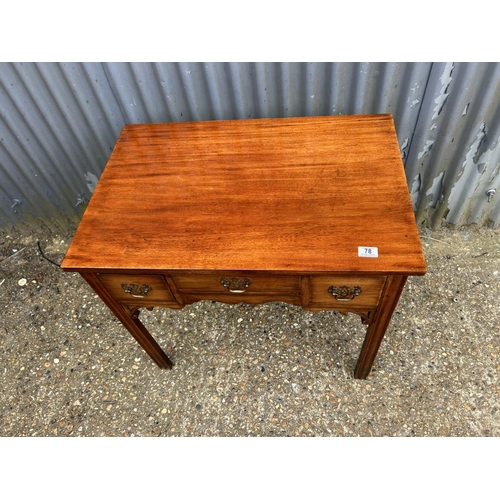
(231, 283)
(346, 291)
(147, 289)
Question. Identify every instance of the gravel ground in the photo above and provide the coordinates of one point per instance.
(68, 367)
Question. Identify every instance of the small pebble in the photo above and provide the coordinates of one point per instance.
(321, 358)
(56, 361)
(22, 282)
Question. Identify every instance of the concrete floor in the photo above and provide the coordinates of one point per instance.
(68, 367)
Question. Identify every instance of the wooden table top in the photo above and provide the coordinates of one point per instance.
(282, 195)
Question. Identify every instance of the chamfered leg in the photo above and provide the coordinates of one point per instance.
(379, 324)
(130, 320)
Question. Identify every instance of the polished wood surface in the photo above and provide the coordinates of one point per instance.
(257, 283)
(129, 318)
(379, 324)
(252, 211)
(371, 289)
(275, 195)
(120, 286)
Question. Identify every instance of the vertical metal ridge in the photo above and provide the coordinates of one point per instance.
(59, 122)
(449, 143)
(33, 157)
(410, 137)
(50, 139)
(64, 154)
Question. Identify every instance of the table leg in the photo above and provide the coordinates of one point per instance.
(379, 324)
(130, 320)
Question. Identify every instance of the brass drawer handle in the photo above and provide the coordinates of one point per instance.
(344, 293)
(235, 285)
(138, 291)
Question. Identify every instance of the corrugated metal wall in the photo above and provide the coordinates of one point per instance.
(59, 122)
(454, 159)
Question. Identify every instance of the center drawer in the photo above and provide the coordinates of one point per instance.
(237, 284)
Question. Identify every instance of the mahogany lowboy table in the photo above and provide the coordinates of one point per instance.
(314, 212)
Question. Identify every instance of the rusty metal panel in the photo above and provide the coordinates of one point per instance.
(454, 159)
(58, 123)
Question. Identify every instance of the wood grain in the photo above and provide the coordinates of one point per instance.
(159, 294)
(130, 320)
(209, 283)
(276, 207)
(369, 297)
(378, 326)
(276, 195)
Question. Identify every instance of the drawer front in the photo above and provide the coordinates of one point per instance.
(133, 289)
(346, 291)
(231, 283)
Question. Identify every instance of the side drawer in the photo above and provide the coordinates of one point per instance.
(147, 289)
(346, 291)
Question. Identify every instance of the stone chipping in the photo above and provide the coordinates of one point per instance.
(68, 367)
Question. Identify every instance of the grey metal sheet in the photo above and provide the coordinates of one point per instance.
(58, 123)
(454, 159)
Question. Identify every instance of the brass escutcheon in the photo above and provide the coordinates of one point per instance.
(235, 285)
(136, 290)
(344, 293)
